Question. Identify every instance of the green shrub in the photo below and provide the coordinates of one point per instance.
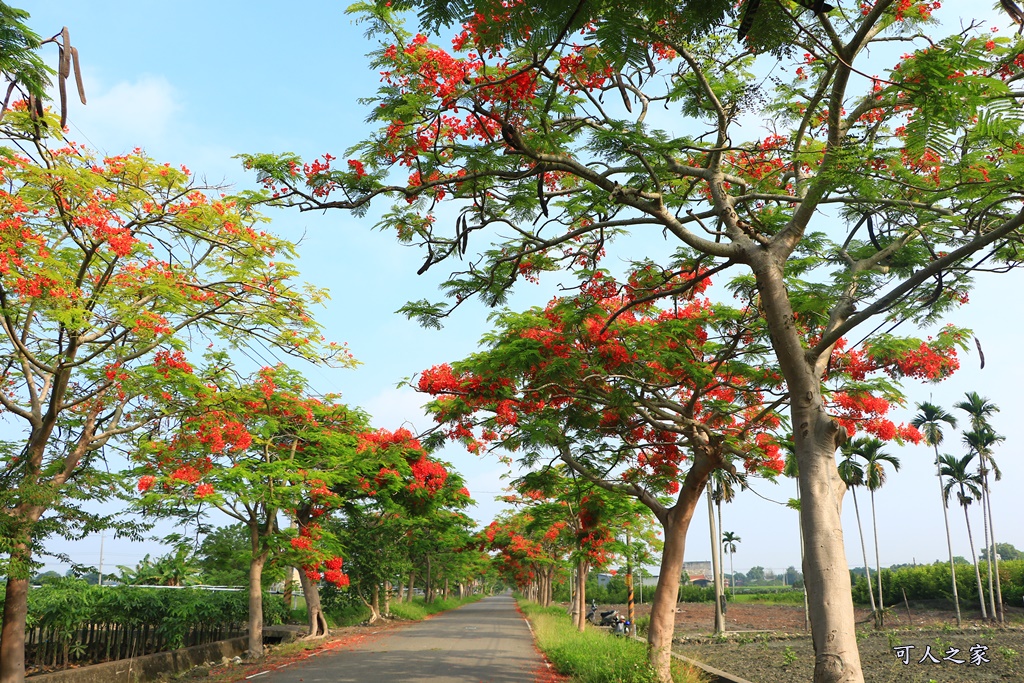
(932, 582)
(696, 594)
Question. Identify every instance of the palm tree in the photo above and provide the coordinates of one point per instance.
(873, 476)
(852, 474)
(981, 438)
(957, 473)
(722, 483)
(874, 460)
(929, 420)
(729, 541)
(978, 408)
(792, 471)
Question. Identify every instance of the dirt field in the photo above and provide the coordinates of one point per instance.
(768, 644)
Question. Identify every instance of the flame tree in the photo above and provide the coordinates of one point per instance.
(649, 402)
(408, 516)
(255, 449)
(871, 198)
(109, 269)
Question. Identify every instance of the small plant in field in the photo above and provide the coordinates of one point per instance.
(789, 656)
(1008, 653)
(894, 639)
(948, 628)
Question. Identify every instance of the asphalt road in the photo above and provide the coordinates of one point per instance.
(484, 642)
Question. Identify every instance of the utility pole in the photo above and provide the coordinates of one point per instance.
(715, 544)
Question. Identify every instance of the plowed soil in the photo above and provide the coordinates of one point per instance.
(768, 644)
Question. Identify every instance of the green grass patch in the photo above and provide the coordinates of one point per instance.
(347, 615)
(418, 610)
(594, 656)
(790, 597)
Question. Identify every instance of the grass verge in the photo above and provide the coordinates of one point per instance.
(418, 610)
(594, 656)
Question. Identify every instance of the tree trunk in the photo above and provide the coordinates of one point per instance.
(412, 584)
(317, 622)
(387, 598)
(993, 555)
(428, 594)
(256, 605)
(988, 565)
(675, 524)
(581, 595)
(864, 553)
(880, 618)
(12, 638)
(949, 538)
(816, 436)
(974, 556)
(375, 605)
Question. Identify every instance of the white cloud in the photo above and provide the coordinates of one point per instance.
(127, 114)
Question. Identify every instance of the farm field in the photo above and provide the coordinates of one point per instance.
(768, 644)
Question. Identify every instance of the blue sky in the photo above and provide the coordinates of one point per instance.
(199, 82)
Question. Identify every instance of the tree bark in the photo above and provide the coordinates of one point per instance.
(974, 556)
(316, 622)
(816, 436)
(993, 557)
(581, 595)
(949, 538)
(428, 594)
(256, 605)
(675, 522)
(412, 585)
(12, 638)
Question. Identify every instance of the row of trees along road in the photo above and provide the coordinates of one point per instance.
(553, 129)
(110, 270)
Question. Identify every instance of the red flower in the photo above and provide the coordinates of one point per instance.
(146, 482)
(204, 490)
(357, 167)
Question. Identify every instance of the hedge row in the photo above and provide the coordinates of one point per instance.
(932, 582)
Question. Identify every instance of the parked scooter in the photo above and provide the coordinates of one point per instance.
(609, 618)
(621, 626)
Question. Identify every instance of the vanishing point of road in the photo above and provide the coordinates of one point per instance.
(483, 642)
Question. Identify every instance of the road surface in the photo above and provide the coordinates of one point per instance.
(484, 642)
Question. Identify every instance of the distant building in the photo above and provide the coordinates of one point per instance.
(701, 573)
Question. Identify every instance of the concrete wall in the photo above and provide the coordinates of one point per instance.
(150, 667)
